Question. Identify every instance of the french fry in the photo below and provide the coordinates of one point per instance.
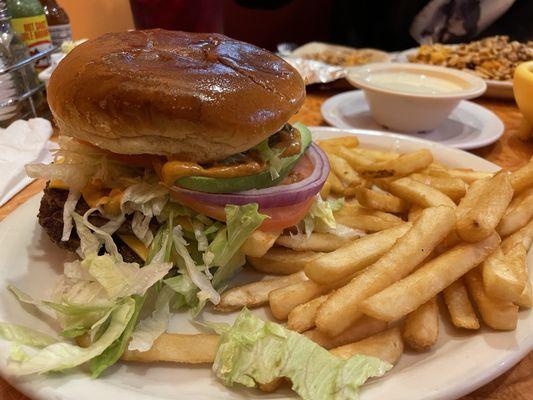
(343, 170)
(404, 165)
(353, 257)
(411, 292)
(357, 217)
(505, 275)
(387, 346)
(459, 306)
(259, 242)
(335, 183)
(414, 213)
(319, 242)
(517, 215)
(178, 348)
(380, 201)
(360, 330)
(522, 178)
(454, 188)
(283, 300)
(375, 155)
(341, 309)
(419, 193)
(421, 326)
(302, 317)
(523, 236)
(497, 314)
(466, 175)
(255, 294)
(345, 141)
(356, 160)
(448, 242)
(471, 197)
(526, 299)
(479, 221)
(282, 261)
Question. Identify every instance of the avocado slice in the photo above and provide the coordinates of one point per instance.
(242, 183)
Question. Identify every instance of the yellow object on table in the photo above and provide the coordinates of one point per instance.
(523, 93)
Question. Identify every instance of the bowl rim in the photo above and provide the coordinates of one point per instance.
(356, 77)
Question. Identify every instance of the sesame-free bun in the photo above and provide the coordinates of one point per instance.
(195, 96)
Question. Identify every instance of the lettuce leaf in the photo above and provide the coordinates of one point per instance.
(68, 209)
(59, 356)
(150, 328)
(144, 201)
(272, 157)
(253, 351)
(121, 279)
(320, 216)
(114, 350)
(240, 223)
(76, 164)
(185, 291)
(23, 335)
(188, 267)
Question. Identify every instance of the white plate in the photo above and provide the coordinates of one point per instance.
(458, 364)
(495, 89)
(469, 126)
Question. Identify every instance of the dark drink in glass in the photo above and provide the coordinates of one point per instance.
(182, 15)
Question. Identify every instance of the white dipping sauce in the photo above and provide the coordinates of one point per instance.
(413, 83)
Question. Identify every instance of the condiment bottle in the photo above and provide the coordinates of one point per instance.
(58, 22)
(18, 81)
(30, 22)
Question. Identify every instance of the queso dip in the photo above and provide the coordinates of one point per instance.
(413, 83)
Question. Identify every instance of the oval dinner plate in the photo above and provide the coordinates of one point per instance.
(469, 126)
(495, 89)
(457, 364)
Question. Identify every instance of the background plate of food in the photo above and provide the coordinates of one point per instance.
(494, 59)
(421, 184)
(321, 62)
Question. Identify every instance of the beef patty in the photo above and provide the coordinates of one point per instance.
(51, 219)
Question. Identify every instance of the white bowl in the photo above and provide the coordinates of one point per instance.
(413, 103)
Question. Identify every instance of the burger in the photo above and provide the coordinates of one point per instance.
(175, 149)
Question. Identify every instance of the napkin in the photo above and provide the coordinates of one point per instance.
(21, 143)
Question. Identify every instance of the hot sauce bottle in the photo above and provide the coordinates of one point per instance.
(29, 21)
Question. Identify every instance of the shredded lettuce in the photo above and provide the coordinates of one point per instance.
(253, 351)
(61, 355)
(144, 201)
(23, 335)
(120, 279)
(272, 157)
(199, 234)
(188, 267)
(320, 216)
(240, 223)
(76, 164)
(68, 209)
(185, 291)
(115, 349)
(150, 328)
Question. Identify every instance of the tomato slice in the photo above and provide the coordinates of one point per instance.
(279, 217)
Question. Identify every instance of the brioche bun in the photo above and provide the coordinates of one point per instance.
(194, 96)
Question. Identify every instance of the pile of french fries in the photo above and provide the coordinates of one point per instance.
(430, 232)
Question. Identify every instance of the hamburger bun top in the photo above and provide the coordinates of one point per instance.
(198, 97)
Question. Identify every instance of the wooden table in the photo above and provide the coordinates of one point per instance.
(509, 152)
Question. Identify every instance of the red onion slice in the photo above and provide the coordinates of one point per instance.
(276, 196)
